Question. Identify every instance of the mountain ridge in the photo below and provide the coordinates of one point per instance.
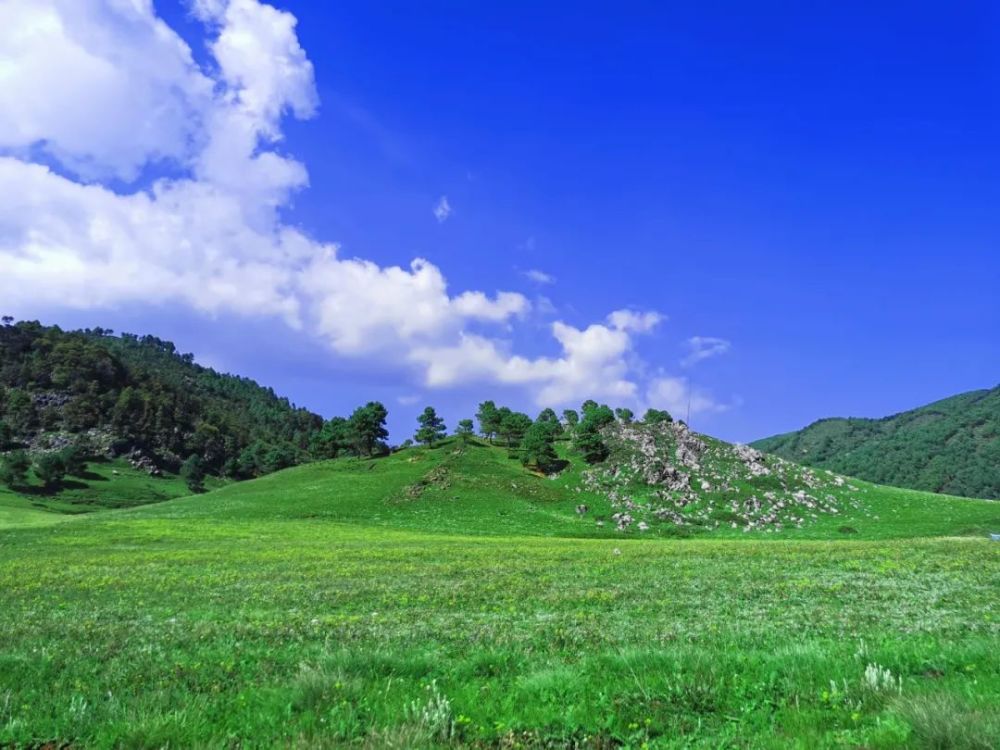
(949, 446)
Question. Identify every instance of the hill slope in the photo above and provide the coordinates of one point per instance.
(950, 446)
(119, 394)
(476, 489)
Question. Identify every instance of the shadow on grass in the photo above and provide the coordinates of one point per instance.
(91, 476)
(34, 490)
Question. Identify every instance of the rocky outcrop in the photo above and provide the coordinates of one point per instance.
(669, 475)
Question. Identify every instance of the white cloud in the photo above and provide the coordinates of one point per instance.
(679, 397)
(261, 60)
(132, 95)
(539, 277)
(362, 308)
(592, 364)
(704, 347)
(442, 209)
(103, 88)
(67, 244)
(629, 320)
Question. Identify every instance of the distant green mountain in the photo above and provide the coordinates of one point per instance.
(950, 446)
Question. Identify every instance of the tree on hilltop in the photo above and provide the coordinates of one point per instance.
(548, 416)
(656, 416)
(571, 418)
(464, 430)
(538, 445)
(368, 430)
(489, 420)
(333, 440)
(513, 426)
(588, 440)
(431, 427)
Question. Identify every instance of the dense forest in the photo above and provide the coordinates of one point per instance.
(137, 395)
(950, 446)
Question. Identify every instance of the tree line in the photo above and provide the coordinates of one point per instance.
(118, 395)
(531, 440)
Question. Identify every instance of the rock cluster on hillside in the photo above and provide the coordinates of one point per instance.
(665, 473)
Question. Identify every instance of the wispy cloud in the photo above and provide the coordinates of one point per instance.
(539, 277)
(678, 396)
(442, 210)
(704, 347)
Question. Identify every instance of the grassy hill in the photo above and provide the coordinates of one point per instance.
(950, 446)
(478, 490)
(447, 597)
(105, 484)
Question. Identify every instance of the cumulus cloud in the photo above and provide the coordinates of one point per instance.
(362, 308)
(442, 209)
(92, 92)
(592, 364)
(103, 88)
(704, 347)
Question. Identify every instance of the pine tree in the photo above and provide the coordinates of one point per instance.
(50, 469)
(368, 430)
(14, 469)
(489, 420)
(656, 416)
(431, 427)
(193, 473)
(465, 430)
(538, 445)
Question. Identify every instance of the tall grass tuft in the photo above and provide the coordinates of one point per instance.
(942, 722)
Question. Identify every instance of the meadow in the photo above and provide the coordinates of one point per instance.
(448, 598)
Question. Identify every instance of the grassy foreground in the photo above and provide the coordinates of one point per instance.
(329, 606)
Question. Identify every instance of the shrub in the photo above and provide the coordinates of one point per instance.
(193, 473)
(656, 416)
(14, 469)
(74, 460)
(50, 468)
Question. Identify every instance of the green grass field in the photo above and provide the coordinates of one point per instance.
(451, 599)
(106, 484)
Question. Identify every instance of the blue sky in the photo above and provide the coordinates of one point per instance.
(813, 185)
